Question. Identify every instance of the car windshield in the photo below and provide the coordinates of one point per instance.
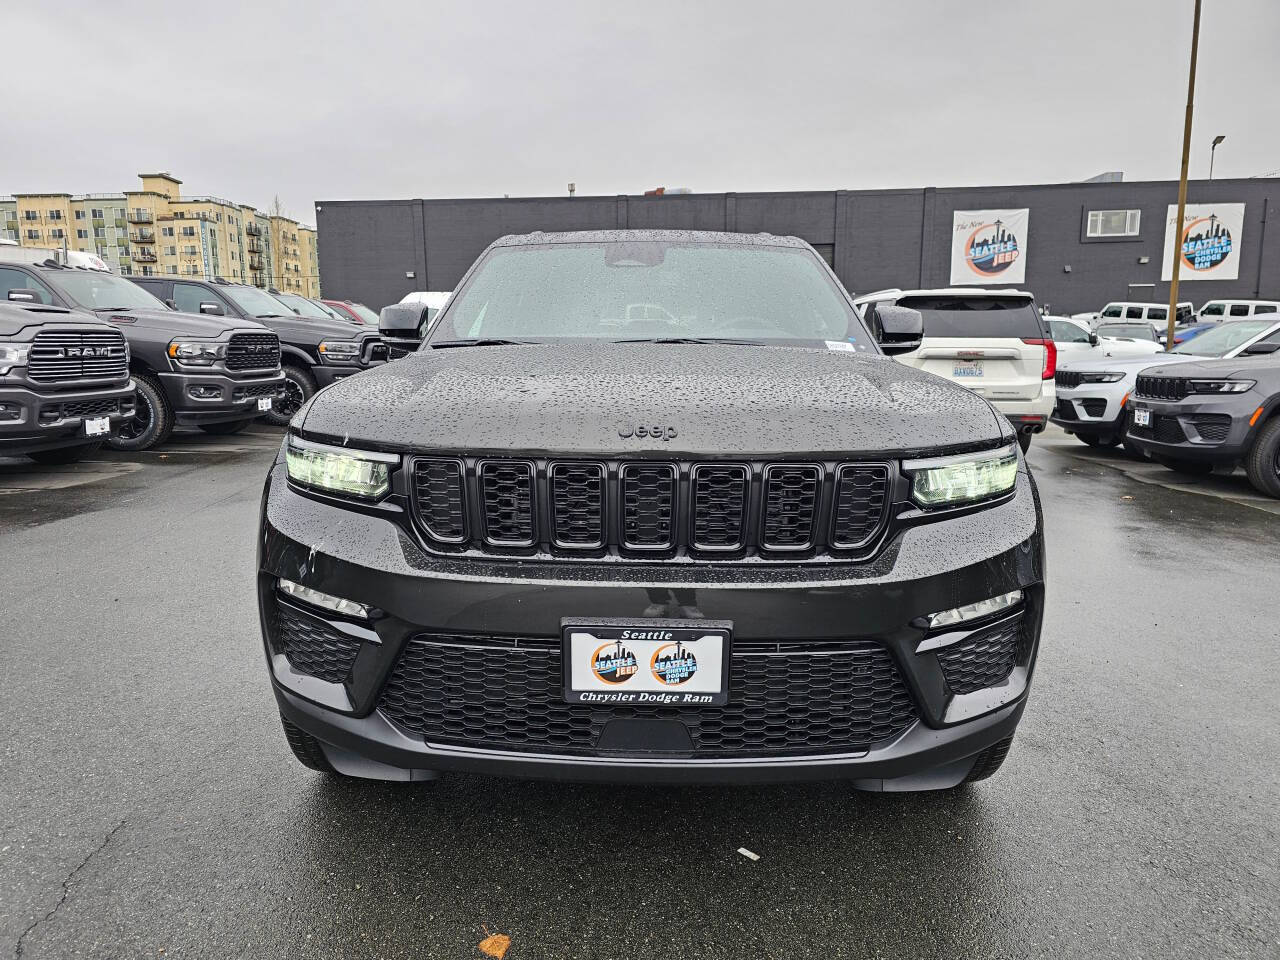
(102, 291)
(651, 289)
(987, 318)
(1131, 331)
(255, 302)
(302, 306)
(1223, 338)
(363, 312)
(1065, 332)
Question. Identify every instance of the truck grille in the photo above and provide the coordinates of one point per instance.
(58, 357)
(1162, 388)
(784, 698)
(650, 508)
(253, 351)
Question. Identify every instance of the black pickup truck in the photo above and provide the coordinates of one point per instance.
(64, 381)
(315, 350)
(209, 372)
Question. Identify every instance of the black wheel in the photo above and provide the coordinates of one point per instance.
(1263, 462)
(989, 761)
(66, 454)
(152, 419)
(1024, 441)
(1192, 468)
(299, 385)
(227, 428)
(306, 748)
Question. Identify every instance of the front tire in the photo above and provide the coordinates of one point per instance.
(226, 428)
(66, 454)
(299, 386)
(152, 420)
(1263, 462)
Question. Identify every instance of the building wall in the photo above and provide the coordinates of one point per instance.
(377, 251)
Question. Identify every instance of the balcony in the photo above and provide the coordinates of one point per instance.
(252, 229)
(143, 255)
(143, 236)
(255, 263)
(254, 246)
(141, 216)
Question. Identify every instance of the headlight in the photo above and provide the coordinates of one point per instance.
(13, 355)
(356, 473)
(197, 353)
(1110, 376)
(340, 351)
(950, 481)
(1220, 386)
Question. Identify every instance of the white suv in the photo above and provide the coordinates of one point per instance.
(992, 341)
(1157, 313)
(1218, 310)
(1093, 393)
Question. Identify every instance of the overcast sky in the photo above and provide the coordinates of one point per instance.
(321, 101)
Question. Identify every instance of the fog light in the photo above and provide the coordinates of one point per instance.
(204, 392)
(10, 411)
(348, 608)
(974, 611)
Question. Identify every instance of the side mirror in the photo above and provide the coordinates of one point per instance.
(402, 321)
(897, 329)
(212, 309)
(1094, 339)
(171, 303)
(24, 295)
(1261, 349)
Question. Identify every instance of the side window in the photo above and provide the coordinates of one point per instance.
(21, 280)
(188, 297)
(1213, 310)
(1185, 314)
(1264, 308)
(1112, 310)
(1239, 310)
(1158, 313)
(1133, 313)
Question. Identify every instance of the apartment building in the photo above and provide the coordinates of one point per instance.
(155, 230)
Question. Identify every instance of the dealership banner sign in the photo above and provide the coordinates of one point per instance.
(1208, 242)
(989, 246)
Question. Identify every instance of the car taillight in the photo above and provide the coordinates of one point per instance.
(1050, 356)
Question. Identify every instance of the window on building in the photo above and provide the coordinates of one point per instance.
(33, 234)
(99, 231)
(166, 231)
(97, 214)
(56, 233)
(126, 269)
(30, 215)
(79, 214)
(171, 251)
(172, 268)
(1113, 223)
(188, 231)
(147, 271)
(55, 214)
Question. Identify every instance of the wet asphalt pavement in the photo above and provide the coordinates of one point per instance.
(149, 806)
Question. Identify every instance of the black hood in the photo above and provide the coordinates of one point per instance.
(1241, 368)
(311, 330)
(722, 400)
(180, 324)
(13, 320)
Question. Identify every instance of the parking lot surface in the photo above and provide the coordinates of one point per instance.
(150, 807)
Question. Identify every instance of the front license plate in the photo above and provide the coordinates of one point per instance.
(967, 368)
(1141, 418)
(672, 662)
(97, 427)
(264, 403)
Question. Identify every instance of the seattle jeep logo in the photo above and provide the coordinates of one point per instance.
(991, 249)
(642, 430)
(1205, 243)
(614, 663)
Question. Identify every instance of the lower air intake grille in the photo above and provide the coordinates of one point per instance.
(1212, 427)
(312, 646)
(502, 694)
(984, 659)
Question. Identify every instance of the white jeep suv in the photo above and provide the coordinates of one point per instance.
(992, 341)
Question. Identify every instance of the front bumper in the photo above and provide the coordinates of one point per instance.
(32, 420)
(1202, 428)
(925, 569)
(327, 373)
(1089, 412)
(216, 398)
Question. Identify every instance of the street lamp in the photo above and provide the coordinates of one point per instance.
(1216, 140)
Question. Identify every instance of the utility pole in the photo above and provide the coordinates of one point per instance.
(1182, 181)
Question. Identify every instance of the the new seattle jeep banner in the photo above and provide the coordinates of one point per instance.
(989, 246)
(1209, 241)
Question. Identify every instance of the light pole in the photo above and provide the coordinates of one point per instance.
(1216, 140)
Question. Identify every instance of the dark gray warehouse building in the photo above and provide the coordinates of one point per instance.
(375, 251)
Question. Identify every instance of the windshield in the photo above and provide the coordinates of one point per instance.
(302, 306)
(1065, 332)
(1135, 331)
(647, 289)
(1223, 338)
(102, 291)
(255, 302)
(990, 318)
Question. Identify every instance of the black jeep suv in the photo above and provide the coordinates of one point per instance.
(315, 349)
(215, 374)
(1195, 416)
(64, 381)
(652, 506)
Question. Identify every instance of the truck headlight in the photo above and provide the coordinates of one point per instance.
(197, 353)
(1111, 376)
(340, 351)
(968, 478)
(1220, 386)
(355, 473)
(13, 355)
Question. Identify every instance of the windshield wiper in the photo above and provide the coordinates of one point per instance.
(272, 316)
(480, 342)
(741, 343)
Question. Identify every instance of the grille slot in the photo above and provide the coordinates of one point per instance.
(1162, 388)
(789, 698)
(792, 494)
(984, 659)
(312, 646)
(437, 486)
(719, 507)
(648, 505)
(507, 498)
(1067, 378)
(255, 391)
(253, 351)
(61, 356)
(862, 495)
(89, 408)
(577, 505)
